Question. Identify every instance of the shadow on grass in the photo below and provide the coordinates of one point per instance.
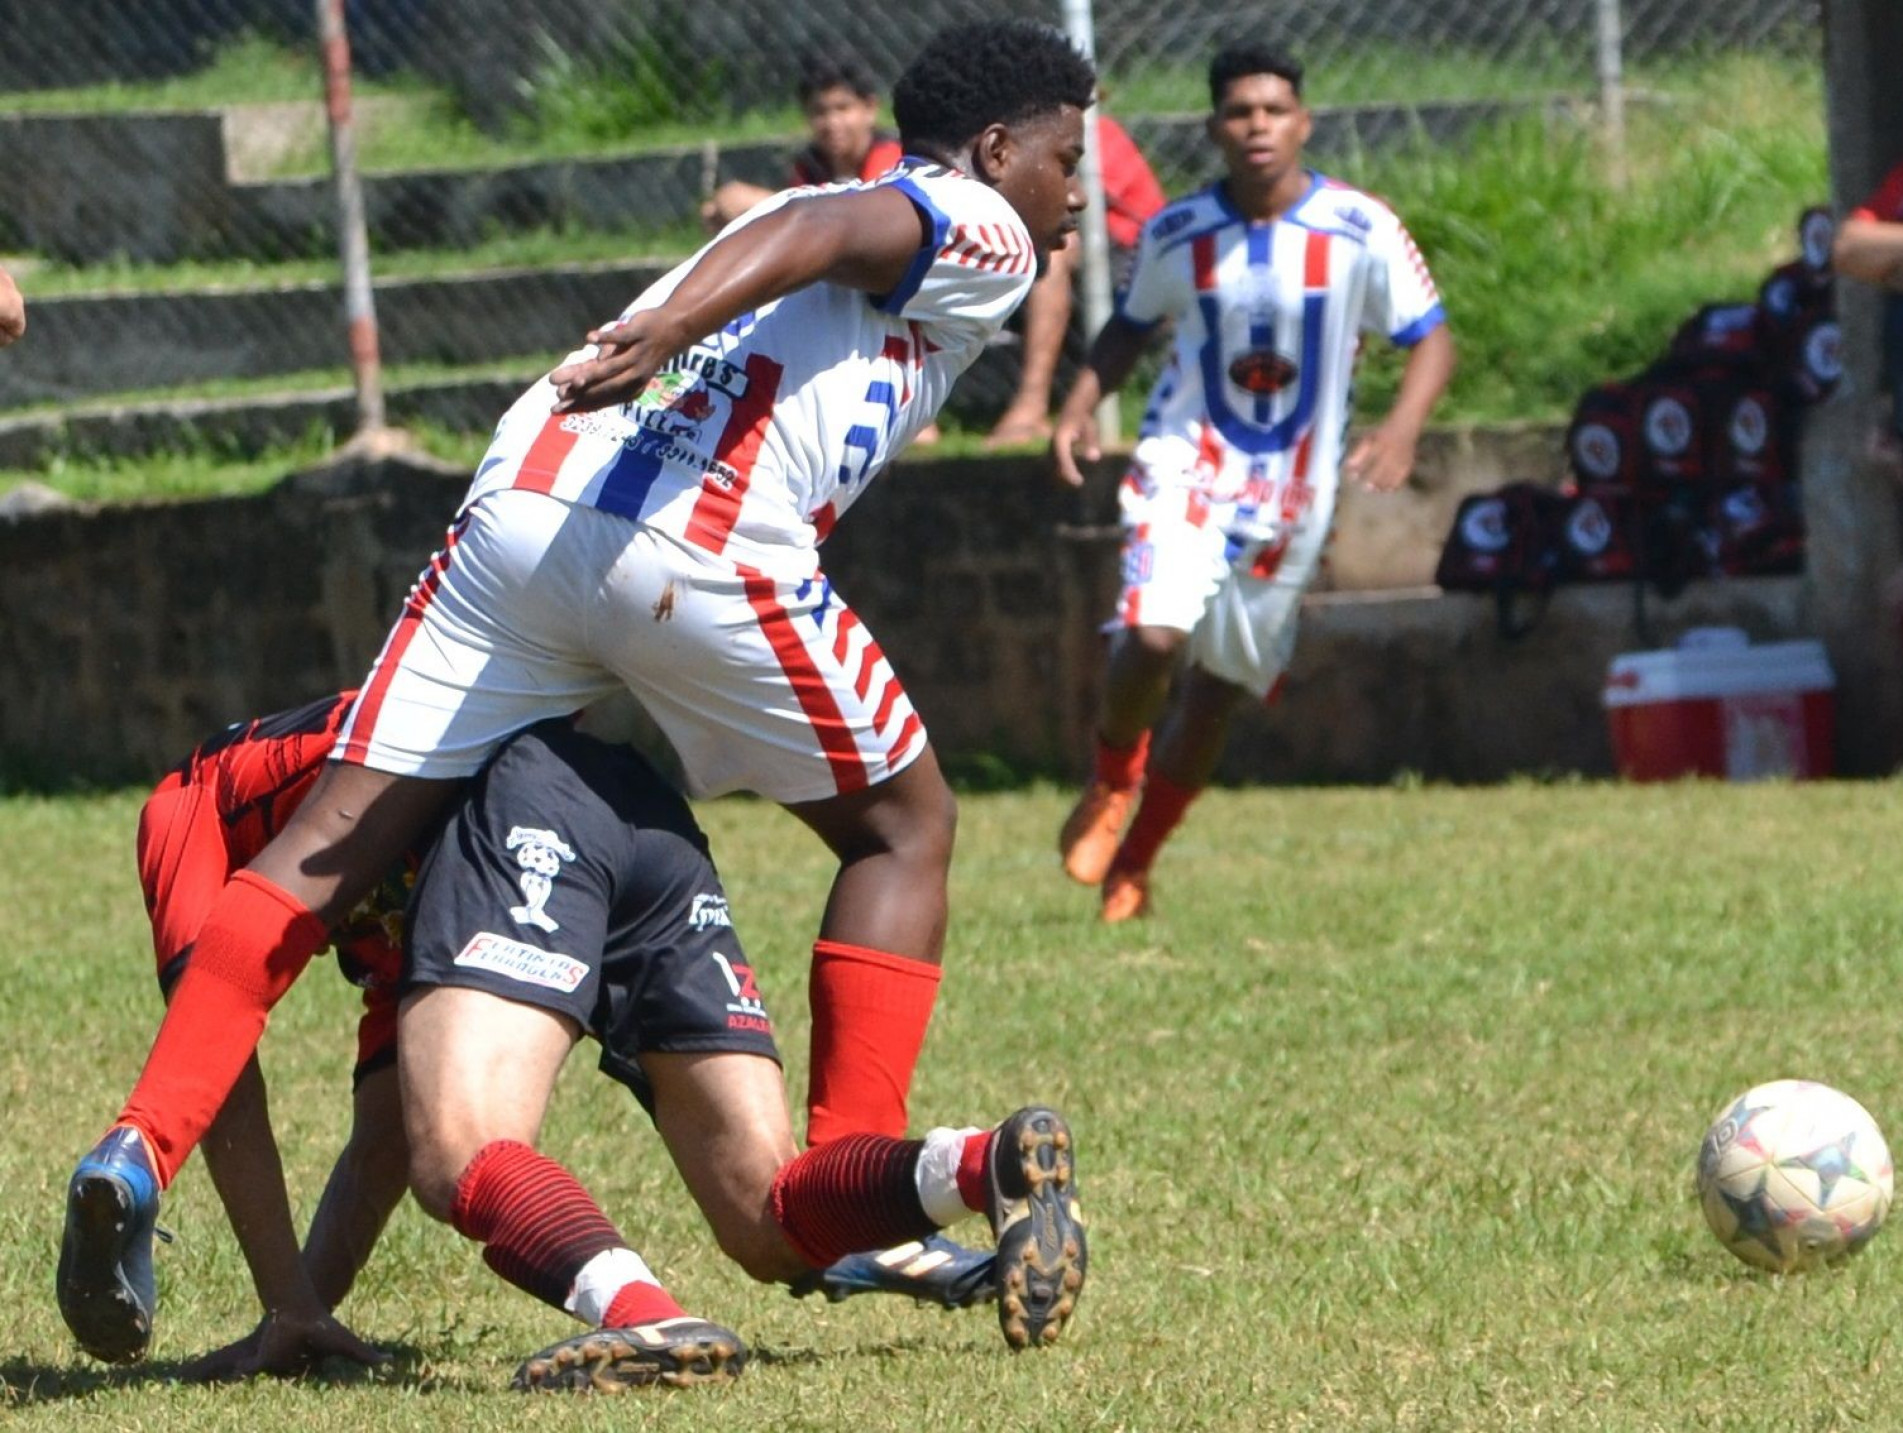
(24, 1383)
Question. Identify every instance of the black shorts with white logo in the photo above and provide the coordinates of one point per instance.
(574, 878)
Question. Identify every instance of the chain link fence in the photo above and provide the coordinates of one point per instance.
(527, 167)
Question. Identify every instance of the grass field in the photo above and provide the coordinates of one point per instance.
(1386, 1121)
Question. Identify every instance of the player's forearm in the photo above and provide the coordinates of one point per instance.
(365, 1186)
(1113, 357)
(1046, 317)
(865, 240)
(1424, 378)
(241, 1155)
(1871, 251)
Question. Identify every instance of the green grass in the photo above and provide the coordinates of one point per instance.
(1554, 280)
(1386, 1122)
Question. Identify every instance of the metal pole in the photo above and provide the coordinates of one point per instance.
(1611, 68)
(360, 306)
(1080, 25)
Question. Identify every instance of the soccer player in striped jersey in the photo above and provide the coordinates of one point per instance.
(1270, 276)
(649, 517)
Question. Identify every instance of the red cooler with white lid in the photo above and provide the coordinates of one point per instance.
(1715, 705)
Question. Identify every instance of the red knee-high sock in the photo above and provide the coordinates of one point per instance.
(870, 1010)
(540, 1230)
(1121, 767)
(855, 1193)
(1159, 813)
(255, 941)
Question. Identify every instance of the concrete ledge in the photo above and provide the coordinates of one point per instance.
(165, 340)
(226, 608)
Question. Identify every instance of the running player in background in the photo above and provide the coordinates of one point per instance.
(12, 310)
(841, 105)
(1270, 277)
(658, 530)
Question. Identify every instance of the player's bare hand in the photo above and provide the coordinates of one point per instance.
(284, 1346)
(1381, 461)
(627, 355)
(1074, 438)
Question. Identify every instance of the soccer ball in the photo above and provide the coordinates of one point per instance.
(1794, 1174)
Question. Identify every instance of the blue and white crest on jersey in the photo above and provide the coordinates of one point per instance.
(541, 855)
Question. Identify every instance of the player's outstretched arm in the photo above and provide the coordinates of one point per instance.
(365, 1186)
(1870, 250)
(1384, 457)
(12, 310)
(866, 240)
(241, 1154)
(1112, 357)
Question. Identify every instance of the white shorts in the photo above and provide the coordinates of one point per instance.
(536, 607)
(1236, 594)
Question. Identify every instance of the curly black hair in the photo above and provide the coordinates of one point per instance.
(990, 72)
(821, 71)
(1232, 62)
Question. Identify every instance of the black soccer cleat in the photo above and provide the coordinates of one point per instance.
(676, 1353)
(935, 1270)
(1031, 1201)
(107, 1293)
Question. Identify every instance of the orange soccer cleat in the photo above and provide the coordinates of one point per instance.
(1126, 896)
(1093, 831)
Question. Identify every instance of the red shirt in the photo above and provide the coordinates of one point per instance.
(1130, 191)
(222, 805)
(1886, 205)
(810, 167)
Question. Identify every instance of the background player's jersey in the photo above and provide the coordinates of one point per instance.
(1253, 404)
(755, 440)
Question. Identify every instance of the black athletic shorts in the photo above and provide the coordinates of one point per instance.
(574, 878)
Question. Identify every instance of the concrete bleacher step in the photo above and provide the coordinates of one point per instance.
(85, 346)
(164, 187)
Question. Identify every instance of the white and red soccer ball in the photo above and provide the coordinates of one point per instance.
(1793, 1175)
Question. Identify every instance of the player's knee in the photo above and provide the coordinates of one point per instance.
(434, 1174)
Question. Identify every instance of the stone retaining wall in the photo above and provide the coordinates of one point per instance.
(130, 632)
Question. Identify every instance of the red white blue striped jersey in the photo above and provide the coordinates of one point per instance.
(754, 441)
(1253, 404)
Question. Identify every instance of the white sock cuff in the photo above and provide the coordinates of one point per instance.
(601, 1278)
(937, 1175)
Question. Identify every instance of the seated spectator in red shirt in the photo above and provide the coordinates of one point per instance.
(1870, 247)
(1131, 195)
(842, 114)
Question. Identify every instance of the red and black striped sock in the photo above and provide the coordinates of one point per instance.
(539, 1229)
(851, 1194)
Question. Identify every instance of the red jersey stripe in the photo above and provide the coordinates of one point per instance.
(718, 507)
(888, 699)
(543, 461)
(1202, 251)
(809, 686)
(1315, 261)
(361, 726)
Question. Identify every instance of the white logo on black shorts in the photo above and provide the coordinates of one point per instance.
(527, 963)
(540, 854)
(708, 911)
